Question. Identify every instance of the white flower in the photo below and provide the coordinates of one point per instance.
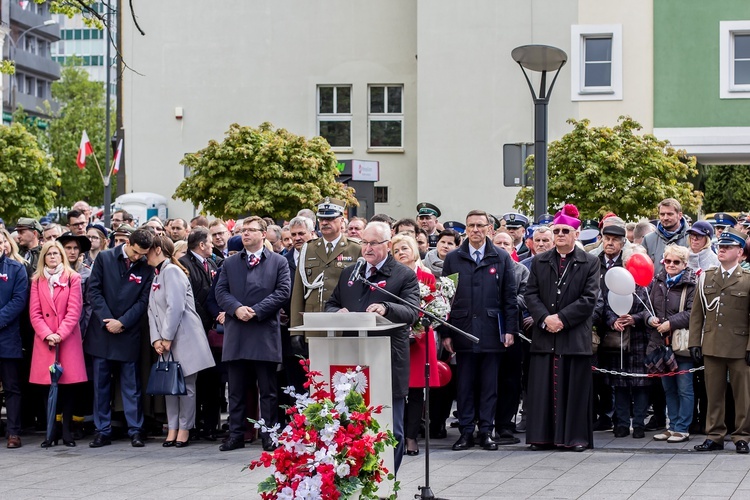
(286, 493)
(424, 290)
(342, 470)
(329, 432)
(309, 488)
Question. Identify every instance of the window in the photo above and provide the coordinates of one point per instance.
(596, 62)
(28, 87)
(386, 117)
(734, 60)
(335, 115)
(40, 89)
(381, 194)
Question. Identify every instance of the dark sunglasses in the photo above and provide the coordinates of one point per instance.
(675, 262)
(563, 230)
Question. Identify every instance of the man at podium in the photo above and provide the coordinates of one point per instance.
(383, 270)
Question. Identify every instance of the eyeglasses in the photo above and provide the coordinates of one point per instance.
(670, 262)
(476, 226)
(561, 230)
(219, 233)
(372, 243)
(697, 236)
(248, 230)
(94, 237)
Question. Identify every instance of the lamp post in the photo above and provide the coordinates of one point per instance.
(542, 58)
(12, 57)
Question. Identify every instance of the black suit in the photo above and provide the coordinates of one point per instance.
(401, 281)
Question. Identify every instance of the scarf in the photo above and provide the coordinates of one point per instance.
(668, 235)
(673, 280)
(52, 276)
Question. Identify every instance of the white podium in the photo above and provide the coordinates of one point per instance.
(334, 353)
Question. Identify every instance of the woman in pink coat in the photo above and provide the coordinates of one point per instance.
(55, 310)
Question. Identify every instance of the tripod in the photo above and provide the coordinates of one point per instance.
(425, 491)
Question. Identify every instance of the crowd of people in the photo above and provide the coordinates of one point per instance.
(220, 298)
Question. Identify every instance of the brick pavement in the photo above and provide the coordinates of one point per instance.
(618, 468)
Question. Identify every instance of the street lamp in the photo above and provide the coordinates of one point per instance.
(541, 58)
(12, 57)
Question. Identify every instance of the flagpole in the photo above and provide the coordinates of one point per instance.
(108, 65)
(97, 165)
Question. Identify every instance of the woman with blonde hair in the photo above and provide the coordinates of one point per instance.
(405, 250)
(176, 328)
(10, 247)
(55, 310)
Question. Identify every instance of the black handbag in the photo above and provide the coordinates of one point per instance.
(166, 378)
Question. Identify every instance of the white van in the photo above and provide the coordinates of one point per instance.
(143, 206)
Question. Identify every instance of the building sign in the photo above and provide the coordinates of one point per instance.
(365, 170)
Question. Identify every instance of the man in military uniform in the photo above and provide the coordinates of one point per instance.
(29, 233)
(720, 315)
(516, 226)
(320, 264)
(427, 215)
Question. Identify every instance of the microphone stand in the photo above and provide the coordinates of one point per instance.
(426, 491)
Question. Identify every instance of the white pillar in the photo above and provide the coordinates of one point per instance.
(3, 32)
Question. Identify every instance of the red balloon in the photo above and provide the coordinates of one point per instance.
(444, 373)
(642, 269)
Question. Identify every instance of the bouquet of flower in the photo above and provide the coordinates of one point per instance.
(437, 301)
(331, 447)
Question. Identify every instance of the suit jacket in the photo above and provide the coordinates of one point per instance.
(724, 327)
(60, 313)
(574, 304)
(14, 284)
(117, 292)
(486, 295)
(200, 282)
(172, 316)
(317, 262)
(265, 288)
(399, 280)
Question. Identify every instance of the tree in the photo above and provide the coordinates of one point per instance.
(82, 107)
(727, 188)
(27, 177)
(261, 171)
(603, 169)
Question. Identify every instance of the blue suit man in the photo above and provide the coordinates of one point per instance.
(253, 287)
(118, 292)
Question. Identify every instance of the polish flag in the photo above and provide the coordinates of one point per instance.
(116, 159)
(84, 150)
(23, 4)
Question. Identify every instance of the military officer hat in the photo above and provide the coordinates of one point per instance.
(425, 208)
(330, 208)
(589, 229)
(125, 229)
(732, 237)
(530, 231)
(29, 223)
(545, 219)
(515, 220)
(456, 226)
(723, 219)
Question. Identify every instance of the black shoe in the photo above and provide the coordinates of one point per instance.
(69, 444)
(741, 447)
(100, 440)
(603, 424)
(486, 442)
(465, 442)
(439, 434)
(48, 444)
(232, 444)
(136, 440)
(709, 445)
(506, 437)
(578, 448)
(656, 424)
(169, 444)
(639, 433)
(541, 446)
(267, 444)
(181, 444)
(621, 432)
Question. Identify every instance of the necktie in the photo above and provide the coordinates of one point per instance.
(329, 248)
(477, 256)
(205, 265)
(610, 263)
(371, 272)
(725, 275)
(252, 261)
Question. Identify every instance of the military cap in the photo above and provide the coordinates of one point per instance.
(589, 229)
(515, 220)
(45, 221)
(724, 219)
(29, 223)
(425, 208)
(84, 244)
(530, 231)
(545, 219)
(125, 229)
(746, 222)
(330, 208)
(495, 221)
(456, 226)
(732, 237)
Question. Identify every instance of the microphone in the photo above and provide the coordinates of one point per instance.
(355, 272)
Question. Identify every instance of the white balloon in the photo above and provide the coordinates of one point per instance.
(620, 281)
(620, 304)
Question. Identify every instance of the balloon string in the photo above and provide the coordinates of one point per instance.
(651, 310)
